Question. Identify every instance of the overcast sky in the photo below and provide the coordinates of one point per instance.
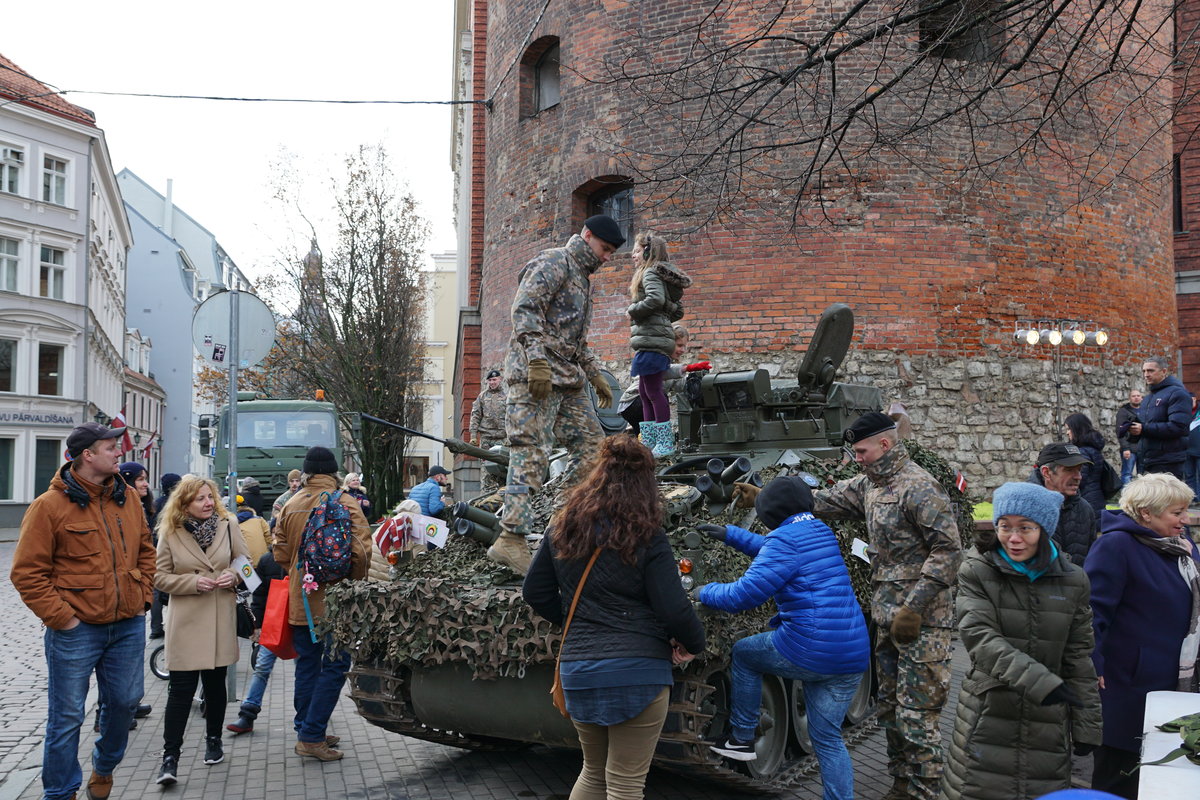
(220, 153)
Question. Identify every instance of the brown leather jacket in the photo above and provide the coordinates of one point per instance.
(289, 529)
(94, 562)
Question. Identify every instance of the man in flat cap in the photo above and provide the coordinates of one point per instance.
(547, 370)
(915, 552)
(487, 423)
(1060, 469)
(84, 564)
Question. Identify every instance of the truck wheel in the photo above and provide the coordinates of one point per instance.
(771, 746)
(863, 704)
(799, 715)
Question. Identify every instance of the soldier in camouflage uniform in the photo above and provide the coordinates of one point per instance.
(915, 552)
(487, 423)
(548, 361)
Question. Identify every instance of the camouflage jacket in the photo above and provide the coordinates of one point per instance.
(551, 314)
(915, 547)
(487, 414)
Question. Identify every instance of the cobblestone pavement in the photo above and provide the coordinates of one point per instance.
(379, 765)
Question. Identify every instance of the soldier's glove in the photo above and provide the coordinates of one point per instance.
(604, 397)
(1083, 749)
(699, 366)
(744, 494)
(906, 626)
(713, 531)
(1061, 694)
(539, 378)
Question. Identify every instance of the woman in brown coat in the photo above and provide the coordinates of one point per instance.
(197, 541)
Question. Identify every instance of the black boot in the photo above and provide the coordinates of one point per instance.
(142, 710)
(244, 724)
(170, 767)
(213, 752)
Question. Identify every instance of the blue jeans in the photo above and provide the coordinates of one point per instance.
(264, 664)
(1128, 465)
(320, 676)
(826, 698)
(115, 652)
(1193, 473)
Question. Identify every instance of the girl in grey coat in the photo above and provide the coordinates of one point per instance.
(657, 294)
(1030, 696)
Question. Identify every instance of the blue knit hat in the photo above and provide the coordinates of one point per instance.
(1028, 500)
(1079, 794)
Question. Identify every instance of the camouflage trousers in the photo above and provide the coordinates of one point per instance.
(488, 483)
(533, 426)
(914, 680)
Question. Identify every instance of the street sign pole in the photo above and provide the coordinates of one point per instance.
(234, 353)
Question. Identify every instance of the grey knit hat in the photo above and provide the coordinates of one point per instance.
(1028, 500)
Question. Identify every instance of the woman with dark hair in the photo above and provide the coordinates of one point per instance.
(1030, 695)
(1082, 434)
(1145, 575)
(135, 475)
(633, 620)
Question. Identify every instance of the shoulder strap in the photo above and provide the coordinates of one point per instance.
(578, 591)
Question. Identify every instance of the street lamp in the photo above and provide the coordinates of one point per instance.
(102, 418)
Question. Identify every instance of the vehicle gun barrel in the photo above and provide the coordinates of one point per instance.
(736, 471)
(711, 489)
(456, 446)
(463, 510)
(472, 530)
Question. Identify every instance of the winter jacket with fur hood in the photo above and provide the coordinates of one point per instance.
(659, 302)
(84, 552)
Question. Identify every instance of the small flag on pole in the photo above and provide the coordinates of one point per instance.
(119, 422)
(960, 481)
(146, 449)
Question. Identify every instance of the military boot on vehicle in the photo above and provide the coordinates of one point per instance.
(510, 550)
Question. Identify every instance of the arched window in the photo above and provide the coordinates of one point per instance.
(611, 195)
(540, 87)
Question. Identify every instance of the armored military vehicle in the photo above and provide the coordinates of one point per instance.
(449, 652)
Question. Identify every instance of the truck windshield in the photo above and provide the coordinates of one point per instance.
(267, 429)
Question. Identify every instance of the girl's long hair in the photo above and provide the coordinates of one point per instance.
(174, 511)
(617, 506)
(653, 249)
(1083, 432)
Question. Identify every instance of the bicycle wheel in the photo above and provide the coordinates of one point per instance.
(158, 662)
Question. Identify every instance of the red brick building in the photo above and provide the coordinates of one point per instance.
(938, 277)
(1185, 216)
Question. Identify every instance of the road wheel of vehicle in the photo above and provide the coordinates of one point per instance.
(799, 716)
(863, 703)
(771, 746)
(158, 662)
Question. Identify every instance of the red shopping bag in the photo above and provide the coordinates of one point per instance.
(276, 633)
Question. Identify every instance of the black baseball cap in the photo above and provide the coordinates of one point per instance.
(87, 435)
(438, 470)
(1061, 454)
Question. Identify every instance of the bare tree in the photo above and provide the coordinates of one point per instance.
(750, 102)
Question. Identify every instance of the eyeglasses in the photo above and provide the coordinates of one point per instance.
(1025, 530)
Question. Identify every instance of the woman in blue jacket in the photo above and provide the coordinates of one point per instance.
(1145, 577)
(819, 637)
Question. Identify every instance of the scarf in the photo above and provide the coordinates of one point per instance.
(1023, 566)
(1177, 548)
(202, 531)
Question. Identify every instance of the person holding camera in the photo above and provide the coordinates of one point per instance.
(1126, 416)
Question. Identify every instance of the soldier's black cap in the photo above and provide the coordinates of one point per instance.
(495, 373)
(1061, 454)
(867, 426)
(606, 228)
(87, 435)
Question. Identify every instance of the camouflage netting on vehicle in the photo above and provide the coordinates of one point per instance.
(454, 605)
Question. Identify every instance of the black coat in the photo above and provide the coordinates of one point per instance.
(1126, 415)
(1166, 414)
(253, 497)
(1093, 474)
(624, 611)
(1076, 524)
(267, 571)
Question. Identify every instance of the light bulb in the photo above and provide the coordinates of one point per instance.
(1055, 337)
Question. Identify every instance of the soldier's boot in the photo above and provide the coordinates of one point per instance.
(899, 790)
(922, 788)
(664, 440)
(510, 550)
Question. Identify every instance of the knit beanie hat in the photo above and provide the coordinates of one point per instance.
(782, 498)
(130, 470)
(294, 475)
(249, 483)
(320, 461)
(1028, 500)
(168, 482)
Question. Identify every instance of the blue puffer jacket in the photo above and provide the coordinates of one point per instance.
(428, 495)
(1165, 414)
(820, 626)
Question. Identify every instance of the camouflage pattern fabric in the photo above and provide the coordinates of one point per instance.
(488, 483)
(533, 426)
(487, 416)
(914, 680)
(551, 313)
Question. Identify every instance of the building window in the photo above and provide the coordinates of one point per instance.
(54, 180)
(7, 451)
(1177, 195)
(46, 458)
(10, 249)
(966, 30)
(53, 274)
(8, 365)
(611, 195)
(50, 367)
(540, 88)
(12, 159)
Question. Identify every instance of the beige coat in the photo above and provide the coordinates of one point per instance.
(257, 534)
(201, 626)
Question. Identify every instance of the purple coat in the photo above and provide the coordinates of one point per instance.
(1141, 610)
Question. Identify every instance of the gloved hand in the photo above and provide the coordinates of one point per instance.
(604, 397)
(1083, 749)
(539, 378)
(1061, 694)
(744, 494)
(699, 366)
(906, 626)
(713, 531)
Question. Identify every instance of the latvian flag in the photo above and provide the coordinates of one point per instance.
(960, 481)
(393, 533)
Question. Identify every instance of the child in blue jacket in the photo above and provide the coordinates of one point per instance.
(819, 637)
